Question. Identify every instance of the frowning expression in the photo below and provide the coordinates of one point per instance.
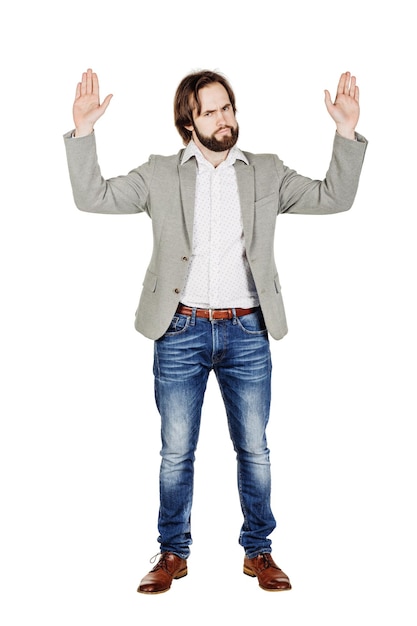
(215, 127)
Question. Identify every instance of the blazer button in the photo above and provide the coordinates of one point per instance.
(184, 258)
(176, 290)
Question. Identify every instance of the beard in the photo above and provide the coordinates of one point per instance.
(218, 145)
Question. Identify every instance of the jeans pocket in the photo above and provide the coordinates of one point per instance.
(253, 323)
(178, 325)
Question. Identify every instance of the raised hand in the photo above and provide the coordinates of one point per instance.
(87, 108)
(345, 109)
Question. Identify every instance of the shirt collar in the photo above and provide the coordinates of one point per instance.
(193, 151)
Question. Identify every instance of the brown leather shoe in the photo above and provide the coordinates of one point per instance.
(270, 576)
(159, 579)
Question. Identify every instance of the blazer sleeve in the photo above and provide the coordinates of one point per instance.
(94, 194)
(336, 193)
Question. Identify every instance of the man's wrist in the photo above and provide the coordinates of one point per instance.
(83, 132)
(347, 133)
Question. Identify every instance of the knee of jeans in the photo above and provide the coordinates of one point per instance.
(177, 457)
(259, 455)
(179, 441)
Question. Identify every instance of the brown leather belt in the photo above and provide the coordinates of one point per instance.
(214, 314)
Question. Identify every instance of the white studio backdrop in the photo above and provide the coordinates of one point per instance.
(79, 431)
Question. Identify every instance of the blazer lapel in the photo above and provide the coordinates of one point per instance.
(187, 176)
(246, 185)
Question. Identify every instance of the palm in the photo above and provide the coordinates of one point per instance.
(345, 111)
(86, 108)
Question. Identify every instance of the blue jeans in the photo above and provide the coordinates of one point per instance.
(238, 352)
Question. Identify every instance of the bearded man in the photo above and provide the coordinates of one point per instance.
(211, 294)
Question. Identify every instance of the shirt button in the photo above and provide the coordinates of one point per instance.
(184, 258)
(176, 290)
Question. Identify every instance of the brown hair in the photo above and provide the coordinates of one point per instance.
(186, 98)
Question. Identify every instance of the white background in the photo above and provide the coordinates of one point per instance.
(79, 431)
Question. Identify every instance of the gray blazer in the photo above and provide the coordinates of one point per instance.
(165, 189)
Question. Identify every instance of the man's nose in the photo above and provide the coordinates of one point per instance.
(221, 120)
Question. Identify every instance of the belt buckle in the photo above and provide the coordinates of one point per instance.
(210, 311)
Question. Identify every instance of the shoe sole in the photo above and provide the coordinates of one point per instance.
(180, 574)
(252, 574)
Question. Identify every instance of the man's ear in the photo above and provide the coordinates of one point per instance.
(190, 127)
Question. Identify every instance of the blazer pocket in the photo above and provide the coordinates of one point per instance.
(150, 281)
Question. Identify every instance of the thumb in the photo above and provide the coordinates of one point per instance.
(327, 100)
(106, 102)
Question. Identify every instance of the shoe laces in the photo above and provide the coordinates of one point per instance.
(268, 562)
(161, 563)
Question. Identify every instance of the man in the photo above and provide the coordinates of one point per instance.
(211, 293)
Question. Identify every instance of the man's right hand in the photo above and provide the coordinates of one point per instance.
(87, 108)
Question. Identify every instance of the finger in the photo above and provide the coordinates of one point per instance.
(327, 100)
(347, 83)
(89, 82)
(352, 88)
(83, 84)
(357, 93)
(78, 91)
(341, 85)
(95, 86)
(106, 102)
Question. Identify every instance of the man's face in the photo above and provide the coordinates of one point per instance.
(216, 127)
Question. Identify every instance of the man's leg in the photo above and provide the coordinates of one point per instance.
(181, 371)
(244, 374)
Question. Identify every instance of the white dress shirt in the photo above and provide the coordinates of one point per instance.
(219, 275)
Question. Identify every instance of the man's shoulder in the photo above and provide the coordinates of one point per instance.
(167, 159)
(255, 158)
(162, 165)
(267, 163)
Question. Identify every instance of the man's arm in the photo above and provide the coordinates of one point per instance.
(92, 193)
(336, 193)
